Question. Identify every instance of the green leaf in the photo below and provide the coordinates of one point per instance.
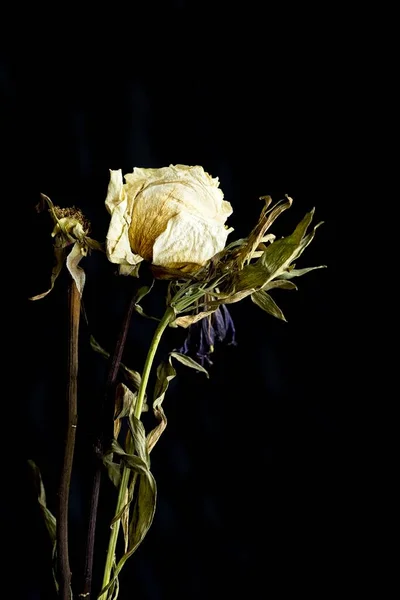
(140, 294)
(299, 272)
(189, 362)
(113, 469)
(48, 517)
(141, 312)
(280, 254)
(144, 505)
(132, 377)
(136, 463)
(275, 260)
(280, 283)
(264, 301)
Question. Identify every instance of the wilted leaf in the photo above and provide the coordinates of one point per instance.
(125, 402)
(136, 463)
(125, 521)
(140, 294)
(144, 505)
(280, 283)
(189, 362)
(59, 257)
(265, 221)
(290, 273)
(132, 377)
(97, 348)
(77, 273)
(264, 301)
(276, 259)
(281, 253)
(49, 518)
(113, 469)
(188, 320)
(165, 374)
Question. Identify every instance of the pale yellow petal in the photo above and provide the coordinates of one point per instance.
(188, 239)
(192, 187)
(117, 243)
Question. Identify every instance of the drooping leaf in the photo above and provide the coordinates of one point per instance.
(143, 506)
(189, 362)
(290, 273)
(281, 253)
(59, 257)
(276, 259)
(48, 517)
(131, 376)
(188, 320)
(264, 301)
(265, 221)
(140, 294)
(125, 402)
(113, 469)
(165, 374)
(141, 312)
(73, 260)
(280, 283)
(132, 461)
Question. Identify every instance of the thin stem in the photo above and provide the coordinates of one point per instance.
(64, 571)
(98, 449)
(167, 318)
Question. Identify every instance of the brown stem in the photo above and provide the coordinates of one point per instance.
(64, 571)
(110, 386)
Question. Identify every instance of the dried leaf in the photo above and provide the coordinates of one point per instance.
(59, 257)
(265, 221)
(189, 362)
(280, 283)
(125, 521)
(132, 377)
(165, 374)
(289, 274)
(281, 253)
(143, 508)
(49, 518)
(276, 259)
(141, 312)
(113, 469)
(188, 320)
(264, 301)
(77, 273)
(125, 402)
(136, 463)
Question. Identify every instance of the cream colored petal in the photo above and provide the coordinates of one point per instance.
(117, 243)
(188, 239)
(191, 187)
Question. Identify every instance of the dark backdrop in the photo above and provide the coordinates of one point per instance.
(253, 469)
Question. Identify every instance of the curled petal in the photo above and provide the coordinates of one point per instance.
(117, 243)
(189, 239)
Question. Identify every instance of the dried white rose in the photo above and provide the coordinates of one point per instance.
(173, 217)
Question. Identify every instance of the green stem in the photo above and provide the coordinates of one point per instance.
(169, 315)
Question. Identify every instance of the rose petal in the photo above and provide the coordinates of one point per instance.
(117, 244)
(188, 239)
(192, 187)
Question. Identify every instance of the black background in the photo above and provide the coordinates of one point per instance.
(255, 469)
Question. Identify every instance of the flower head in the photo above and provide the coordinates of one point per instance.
(173, 217)
(71, 228)
(204, 334)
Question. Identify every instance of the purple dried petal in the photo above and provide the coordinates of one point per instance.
(202, 336)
